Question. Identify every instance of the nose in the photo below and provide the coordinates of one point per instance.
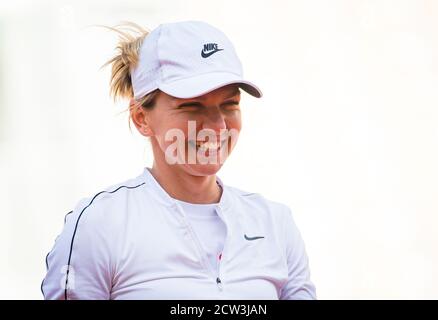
(214, 119)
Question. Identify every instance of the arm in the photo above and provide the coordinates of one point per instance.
(298, 286)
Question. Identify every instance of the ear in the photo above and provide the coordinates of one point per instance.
(140, 118)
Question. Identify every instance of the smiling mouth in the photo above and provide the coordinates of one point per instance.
(203, 146)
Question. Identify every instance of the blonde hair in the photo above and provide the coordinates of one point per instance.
(131, 37)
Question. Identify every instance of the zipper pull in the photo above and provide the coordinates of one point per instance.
(219, 283)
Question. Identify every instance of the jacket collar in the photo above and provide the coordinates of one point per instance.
(160, 194)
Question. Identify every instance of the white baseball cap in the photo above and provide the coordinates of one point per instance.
(186, 60)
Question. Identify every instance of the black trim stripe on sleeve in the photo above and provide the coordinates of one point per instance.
(47, 257)
(76, 226)
(65, 217)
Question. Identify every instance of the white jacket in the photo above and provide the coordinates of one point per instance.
(134, 241)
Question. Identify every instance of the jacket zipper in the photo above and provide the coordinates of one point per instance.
(218, 279)
(219, 283)
(203, 254)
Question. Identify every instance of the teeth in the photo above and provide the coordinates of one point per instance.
(207, 145)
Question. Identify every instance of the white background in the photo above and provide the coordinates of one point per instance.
(346, 133)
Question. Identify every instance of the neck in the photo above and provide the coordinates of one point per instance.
(183, 186)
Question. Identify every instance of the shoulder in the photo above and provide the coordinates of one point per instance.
(276, 217)
(104, 203)
(257, 203)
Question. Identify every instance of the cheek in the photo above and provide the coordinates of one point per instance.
(171, 130)
(234, 125)
(234, 122)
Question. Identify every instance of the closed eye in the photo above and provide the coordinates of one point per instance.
(194, 105)
(190, 105)
(231, 104)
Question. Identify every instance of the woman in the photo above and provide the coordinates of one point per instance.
(176, 231)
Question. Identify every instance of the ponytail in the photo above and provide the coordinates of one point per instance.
(131, 37)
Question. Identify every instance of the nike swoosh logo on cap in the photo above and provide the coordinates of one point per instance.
(207, 54)
(252, 238)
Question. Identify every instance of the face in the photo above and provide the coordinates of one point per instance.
(194, 135)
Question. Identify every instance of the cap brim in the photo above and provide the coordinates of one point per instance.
(202, 84)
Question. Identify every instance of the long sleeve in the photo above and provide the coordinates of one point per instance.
(298, 286)
(78, 267)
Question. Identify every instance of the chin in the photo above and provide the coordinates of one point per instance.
(202, 170)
